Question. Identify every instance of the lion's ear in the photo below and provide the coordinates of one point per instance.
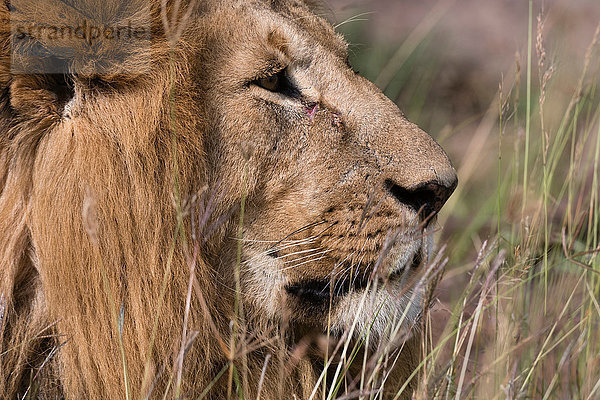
(40, 95)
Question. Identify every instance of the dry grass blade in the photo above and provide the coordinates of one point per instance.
(262, 376)
(484, 293)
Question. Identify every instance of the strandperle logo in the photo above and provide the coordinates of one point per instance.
(86, 31)
(78, 41)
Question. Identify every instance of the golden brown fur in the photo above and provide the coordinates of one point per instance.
(106, 176)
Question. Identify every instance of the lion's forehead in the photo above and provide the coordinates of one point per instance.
(291, 24)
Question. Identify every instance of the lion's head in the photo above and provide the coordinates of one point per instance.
(235, 144)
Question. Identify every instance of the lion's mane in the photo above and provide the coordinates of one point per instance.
(119, 173)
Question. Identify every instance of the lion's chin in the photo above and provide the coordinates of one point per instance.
(385, 309)
(387, 315)
(384, 314)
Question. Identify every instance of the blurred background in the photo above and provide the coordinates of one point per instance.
(527, 155)
(450, 55)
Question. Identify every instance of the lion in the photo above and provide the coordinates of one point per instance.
(218, 207)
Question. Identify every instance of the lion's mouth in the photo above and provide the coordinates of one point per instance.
(321, 291)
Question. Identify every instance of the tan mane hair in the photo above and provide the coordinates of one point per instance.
(45, 181)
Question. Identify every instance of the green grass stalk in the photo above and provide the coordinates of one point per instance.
(528, 112)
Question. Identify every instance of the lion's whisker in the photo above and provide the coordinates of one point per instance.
(301, 242)
(291, 244)
(302, 229)
(277, 249)
(301, 252)
(354, 18)
(357, 271)
(302, 263)
(309, 226)
(307, 257)
(253, 240)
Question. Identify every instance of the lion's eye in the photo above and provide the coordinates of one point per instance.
(273, 83)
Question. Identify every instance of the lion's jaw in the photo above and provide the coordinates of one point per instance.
(383, 304)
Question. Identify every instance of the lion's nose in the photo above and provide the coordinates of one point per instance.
(427, 199)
